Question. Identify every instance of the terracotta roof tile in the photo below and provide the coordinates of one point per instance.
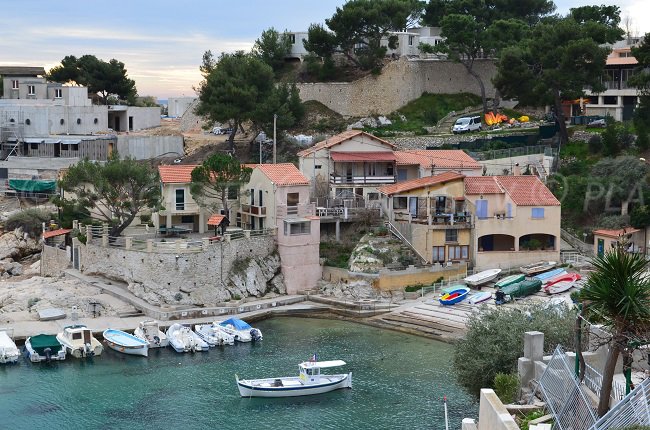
(443, 158)
(216, 219)
(54, 233)
(414, 184)
(527, 190)
(614, 58)
(283, 174)
(342, 137)
(615, 234)
(482, 185)
(176, 174)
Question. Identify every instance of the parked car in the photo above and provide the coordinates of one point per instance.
(467, 124)
(217, 130)
(597, 123)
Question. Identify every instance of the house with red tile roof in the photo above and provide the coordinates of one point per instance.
(516, 221)
(418, 163)
(607, 239)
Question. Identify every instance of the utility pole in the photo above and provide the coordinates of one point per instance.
(260, 151)
(275, 154)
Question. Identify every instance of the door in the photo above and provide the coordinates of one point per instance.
(348, 173)
(130, 123)
(57, 149)
(481, 209)
(86, 336)
(413, 207)
(75, 257)
(401, 174)
(117, 123)
(601, 247)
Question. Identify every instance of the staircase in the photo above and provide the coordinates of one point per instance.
(395, 231)
(540, 171)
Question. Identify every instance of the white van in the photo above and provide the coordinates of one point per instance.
(467, 124)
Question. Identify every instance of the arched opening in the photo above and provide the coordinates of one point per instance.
(537, 242)
(496, 242)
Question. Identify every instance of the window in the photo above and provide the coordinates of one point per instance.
(399, 202)
(33, 146)
(292, 38)
(537, 213)
(31, 90)
(78, 120)
(292, 199)
(373, 196)
(74, 147)
(261, 200)
(411, 39)
(458, 252)
(295, 228)
(451, 235)
(28, 121)
(64, 147)
(187, 219)
(62, 121)
(317, 166)
(438, 254)
(180, 199)
(76, 336)
(14, 84)
(610, 100)
(441, 204)
(233, 193)
(58, 93)
(252, 197)
(481, 209)
(95, 121)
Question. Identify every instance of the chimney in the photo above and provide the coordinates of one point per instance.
(516, 170)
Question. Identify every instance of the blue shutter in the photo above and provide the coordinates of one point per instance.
(481, 209)
(537, 213)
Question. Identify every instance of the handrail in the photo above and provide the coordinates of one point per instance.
(401, 237)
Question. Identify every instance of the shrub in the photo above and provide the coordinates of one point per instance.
(31, 221)
(595, 144)
(145, 218)
(495, 340)
(178, 297)
(506, 386)
(413, 288)
(31, 302)
(523, 425)
(236, 297)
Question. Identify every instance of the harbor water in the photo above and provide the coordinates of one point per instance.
(398, 380)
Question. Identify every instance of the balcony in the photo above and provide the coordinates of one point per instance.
(361, 180)
(186, 208)
(296, 211)
(439, 220)
(257, 211)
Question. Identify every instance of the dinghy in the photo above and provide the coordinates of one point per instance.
(454, 296)
(482, 277)
(309, 381)
(562, 283)
(78, 341)
(44, 347)
(240, 330)
(544, 276)
(149, 330)
(126, 343)
(537, 267)
(477, 298)
(509, 280)
(214, 334)
(9, 353)
(182, 339)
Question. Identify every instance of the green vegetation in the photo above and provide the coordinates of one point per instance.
(337, 254)
(30, 220)
(495, 340)
(413, 288)
(506, 386)
(525, 421)
(31, 302)
(240, 265)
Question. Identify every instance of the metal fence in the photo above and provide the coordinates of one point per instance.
(594, 381)
(634, 409)
(495, 154)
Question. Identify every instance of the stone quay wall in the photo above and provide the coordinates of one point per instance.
(399, 82)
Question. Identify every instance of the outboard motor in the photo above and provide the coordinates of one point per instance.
(256, 334)
(48, 354)
(89, 350)
(156, 340)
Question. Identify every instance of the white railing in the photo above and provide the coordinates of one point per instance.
(361, 180)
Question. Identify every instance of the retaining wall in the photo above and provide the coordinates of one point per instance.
(54, 260)
(145, 147)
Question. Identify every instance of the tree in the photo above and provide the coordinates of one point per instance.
(619, 291)
(234, 89)
(641, 80)
(101, 78)
(113, 192)
(559, 58)
(272, 47)
(623, 181)
(214, 177)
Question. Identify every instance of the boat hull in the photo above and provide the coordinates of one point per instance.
(292, 387)
(213, 336)
(534, 268)
(560, 287)
(9, 353)
(480, 298)
(35, 357)
(182, 339)
(158, 340)
(95, 349)
(141, 350)
(454, 297)
(482, 277)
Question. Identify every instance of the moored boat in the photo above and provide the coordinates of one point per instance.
(149, 330)
(509, 280)
(522, 289)
(126, 343)
(537, 267)
(183, 339)
(9, 353)
(563, 283)
(479, 297)
(214, 334)
(241, 330)
(545, 276)
(44, 347)
(78, 341)
(454, 296)
(309, 381)
(482, 277)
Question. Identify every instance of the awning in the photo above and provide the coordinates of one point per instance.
(32, 186)
(215, 220)
(54, 233)
(363, 156)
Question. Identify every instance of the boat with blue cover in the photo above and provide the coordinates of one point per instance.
(126, 343)
(241, 330)
(454, 296)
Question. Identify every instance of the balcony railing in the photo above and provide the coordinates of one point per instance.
(463, 219)
(181, 208)
(259, 211)
(361, 180)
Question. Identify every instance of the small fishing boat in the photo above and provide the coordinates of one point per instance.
(44, 347)
(451, 288)
(126, 343)
(78, 341)
(562, 283)
(149, 330)
(9, 353)
(537, 267)
(522, 289)
(454, 296)
(544, 276)
(182, 339)
(509, 280)
(309, 381)
(482, 277)
(480, 297)
(214, 334)
(241, 330)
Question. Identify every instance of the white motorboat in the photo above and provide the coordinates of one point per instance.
(482, 277)
(149, 330)
(78, 341)
(182, 339)
(240, 330)
(44, 347)
(9, 353)
(126, 343)
(214, 334)
(537, 267)
(309, 381)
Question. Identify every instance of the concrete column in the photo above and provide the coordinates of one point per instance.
(206, 242)
(228, 238)
(75, 224)
(201, 221)
(149, 245)
(104, 228)
(468, 424)
(105, 240)
(247, 234)
(128, 242)
(534, 345)
(177, 245)
(338, 230)
(428, 209)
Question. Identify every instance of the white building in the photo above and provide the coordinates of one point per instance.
(176, 106)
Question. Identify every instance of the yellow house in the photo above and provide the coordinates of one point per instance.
(430, 213)
(605, 240)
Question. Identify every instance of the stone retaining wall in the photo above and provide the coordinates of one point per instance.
(54, 260)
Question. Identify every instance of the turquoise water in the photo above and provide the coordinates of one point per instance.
(398, 382)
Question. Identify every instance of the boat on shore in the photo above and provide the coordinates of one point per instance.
(9, 353)
(480, 297)
(44, 347)
(309, 381)
(537, 267)
(454, 296)
(482, 277)
(79, 342)
(126, 343)
(149, 330)
(183, 339)
(522, 289)
(509, 280)
(240, 330)
(562, 283)
(214, 334)
(545, 276)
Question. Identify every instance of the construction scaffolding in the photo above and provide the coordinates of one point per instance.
(12, 133)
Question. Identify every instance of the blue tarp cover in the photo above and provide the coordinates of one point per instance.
(237, 323)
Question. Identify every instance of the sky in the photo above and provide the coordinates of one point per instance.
(161, 43)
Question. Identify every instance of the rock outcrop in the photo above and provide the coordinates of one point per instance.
(17, 245)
